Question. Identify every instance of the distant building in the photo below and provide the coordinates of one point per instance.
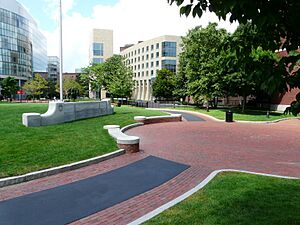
(73, 76)
(53, 68)
(23, 48)
(101, 48)
(146, 57)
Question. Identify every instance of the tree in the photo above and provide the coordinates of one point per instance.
(164, 85)
(94, 76)
(36, 87)
(9, 87)
(277, 20)
(117, 77)
(181, 80)
(246, 67)
(201, 49)
(72, 89)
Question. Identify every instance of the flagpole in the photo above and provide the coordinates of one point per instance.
(60, 54)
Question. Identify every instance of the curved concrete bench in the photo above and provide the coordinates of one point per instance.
(158, 119)
(61, 112)
(130, 144)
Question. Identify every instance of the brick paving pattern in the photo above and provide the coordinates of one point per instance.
(205, 146)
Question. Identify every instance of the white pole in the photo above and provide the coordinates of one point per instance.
(60, 54)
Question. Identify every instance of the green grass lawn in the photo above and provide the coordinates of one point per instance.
(24, 149)
(248, 115)
(236, 198)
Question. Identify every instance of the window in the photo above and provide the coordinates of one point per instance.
(97, 60)
(157, 54)
(152, 47)
(98, 49)
(152, 64)
(147, 49)
(157, 45)
(147, 57)
(157, 63)
(169, 65)
(152, 55)
(169, 49)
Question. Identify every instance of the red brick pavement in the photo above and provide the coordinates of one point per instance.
(206, 146)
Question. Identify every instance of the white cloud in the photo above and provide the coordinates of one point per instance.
(131, 21)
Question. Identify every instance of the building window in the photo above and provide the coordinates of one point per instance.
(147, 49)
(169, 65)
(152, 55)
(97, 60)
(98, 49)
(157, 54)
(157, 63)
(152, 64)
(157, 45)
(147, 57)
(143, 49)
(169, 49)
(147, 65)
(152, 47)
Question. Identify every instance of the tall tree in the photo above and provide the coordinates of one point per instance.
(9, 87)
(201, 49)
(278, 20)
(249, 67)
(118, 78)
(36, 87)
(164, 85)
(72, 89)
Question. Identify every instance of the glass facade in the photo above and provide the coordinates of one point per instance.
(15, 45)
(97, 60)
(169, 49)
(169, 65)
(98, 49)
(22, 46)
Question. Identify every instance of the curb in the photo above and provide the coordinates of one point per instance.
(202, 184)
(237, 121)
(55, 170)
(128, 127)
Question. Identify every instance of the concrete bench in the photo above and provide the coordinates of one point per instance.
(158, 119)
(130, 144)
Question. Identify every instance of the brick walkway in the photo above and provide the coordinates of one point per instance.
(206, 146)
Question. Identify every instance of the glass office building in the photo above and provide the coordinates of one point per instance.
(23, 48)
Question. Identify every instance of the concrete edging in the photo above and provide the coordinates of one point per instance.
(55, 170)
(202, 184)
(130, 126)
(237, 121)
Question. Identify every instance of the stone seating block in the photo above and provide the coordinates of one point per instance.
(31, 119)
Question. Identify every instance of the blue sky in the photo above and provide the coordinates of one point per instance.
(38, 9)
(130, 20)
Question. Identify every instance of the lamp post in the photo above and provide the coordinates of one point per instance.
(60, 54)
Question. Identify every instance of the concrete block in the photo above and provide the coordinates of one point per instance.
(31, 119)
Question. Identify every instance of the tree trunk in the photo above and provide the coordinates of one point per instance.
(244, 102)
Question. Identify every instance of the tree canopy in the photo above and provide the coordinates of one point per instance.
(112, 75)
(164, 85)
(9, 87)
(36, 87)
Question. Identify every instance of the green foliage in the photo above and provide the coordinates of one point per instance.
(277, 20)
(36, 87)
(119, 81)
(164, 85)
(72, 89)
(112, 75)
(201, 49)
(9, 87)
